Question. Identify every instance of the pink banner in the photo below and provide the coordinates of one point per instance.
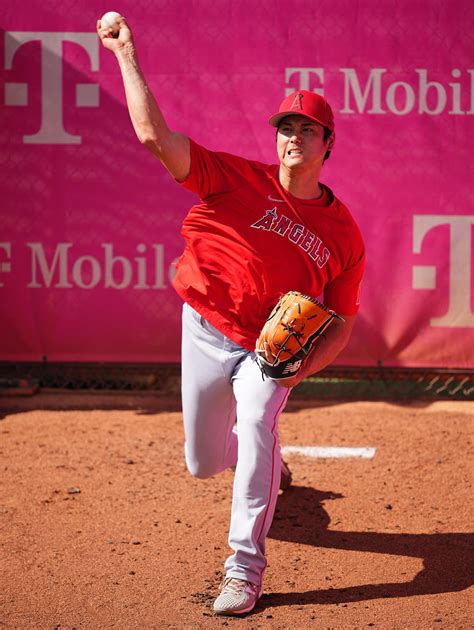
(90, 221)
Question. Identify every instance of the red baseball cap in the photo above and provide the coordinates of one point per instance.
(305, 103)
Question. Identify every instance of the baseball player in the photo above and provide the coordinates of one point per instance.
(257, 232)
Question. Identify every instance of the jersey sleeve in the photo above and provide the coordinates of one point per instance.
(210, 172)
(342, 294)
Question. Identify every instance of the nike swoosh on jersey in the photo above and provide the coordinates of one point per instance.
(277, 200)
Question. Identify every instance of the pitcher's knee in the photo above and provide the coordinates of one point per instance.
(199, 469)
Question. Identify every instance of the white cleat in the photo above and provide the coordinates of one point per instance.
(236, 597)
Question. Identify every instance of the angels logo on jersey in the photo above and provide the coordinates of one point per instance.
(294, 232)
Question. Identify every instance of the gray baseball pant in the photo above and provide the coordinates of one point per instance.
(231, 419)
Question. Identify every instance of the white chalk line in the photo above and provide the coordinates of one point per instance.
(330, 452)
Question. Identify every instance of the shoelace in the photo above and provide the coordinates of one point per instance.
(234, 585)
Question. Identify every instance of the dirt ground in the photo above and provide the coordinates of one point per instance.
(102, 527)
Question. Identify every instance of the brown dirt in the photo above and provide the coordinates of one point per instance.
(102, 527)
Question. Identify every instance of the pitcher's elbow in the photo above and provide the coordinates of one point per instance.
(148, 140)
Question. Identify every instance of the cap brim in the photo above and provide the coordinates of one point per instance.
(275, 120)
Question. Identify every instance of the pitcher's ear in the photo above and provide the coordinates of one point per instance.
(332, 139)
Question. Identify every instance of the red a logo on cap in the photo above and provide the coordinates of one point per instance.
(297, 102)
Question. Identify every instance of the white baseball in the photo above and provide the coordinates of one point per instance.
(109, 20)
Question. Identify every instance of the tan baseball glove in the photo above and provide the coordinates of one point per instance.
(293, 327)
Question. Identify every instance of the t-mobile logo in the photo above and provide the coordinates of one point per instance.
(459, 313)
(5, 259)
(87, 94)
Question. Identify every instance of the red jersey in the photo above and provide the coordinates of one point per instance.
(250, 241)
